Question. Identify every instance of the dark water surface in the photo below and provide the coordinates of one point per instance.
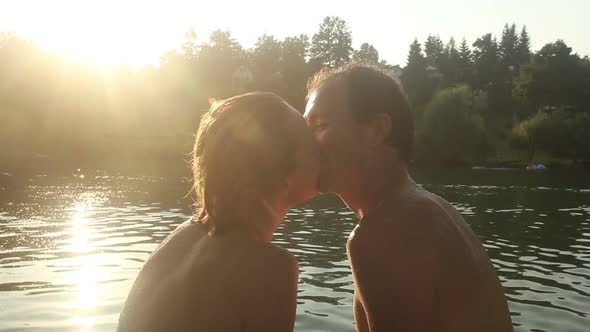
(70, 247)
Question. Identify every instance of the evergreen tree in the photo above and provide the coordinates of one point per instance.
(450, 64)
(434, 51)
(486, 61)
(524, 47)
(415, 78)
(465, 54)
(465, 63)
(508, 48)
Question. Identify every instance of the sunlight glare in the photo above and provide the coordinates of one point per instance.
(80, 207)
(87, 273)
(102, 33)
(83, 321)
(86, 279)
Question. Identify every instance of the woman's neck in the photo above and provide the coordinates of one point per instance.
(262, 225)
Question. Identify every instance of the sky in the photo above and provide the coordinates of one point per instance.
(138, 32)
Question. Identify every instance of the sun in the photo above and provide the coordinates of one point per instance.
(98, 44)
(103, 33)
(82, 49)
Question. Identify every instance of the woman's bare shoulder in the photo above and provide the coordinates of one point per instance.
(269, 255)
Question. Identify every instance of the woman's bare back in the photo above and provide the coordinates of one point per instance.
(197, 282)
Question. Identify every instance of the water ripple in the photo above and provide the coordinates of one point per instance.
(70, 249)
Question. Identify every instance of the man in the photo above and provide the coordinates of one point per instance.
(416, 264)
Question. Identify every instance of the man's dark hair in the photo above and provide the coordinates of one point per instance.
(372, 91)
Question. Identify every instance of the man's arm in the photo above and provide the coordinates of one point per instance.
(394, 273)
(360, 317)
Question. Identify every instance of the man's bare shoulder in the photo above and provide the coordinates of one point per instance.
(419, 205)
(414, 227)
(402, 215)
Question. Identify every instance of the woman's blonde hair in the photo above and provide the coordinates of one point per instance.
(243, 152)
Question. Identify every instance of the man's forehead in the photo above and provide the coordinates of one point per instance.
(310, 106)
(325, 100)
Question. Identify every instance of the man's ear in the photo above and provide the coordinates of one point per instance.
(381, 127)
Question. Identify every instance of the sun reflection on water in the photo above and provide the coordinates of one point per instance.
(86, 274)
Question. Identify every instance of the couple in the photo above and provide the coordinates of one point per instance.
(416, 264)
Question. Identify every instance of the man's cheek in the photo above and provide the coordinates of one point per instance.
(320, 137)
(327, 139)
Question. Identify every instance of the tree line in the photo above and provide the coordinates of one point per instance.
(475, 103)
(472, 101)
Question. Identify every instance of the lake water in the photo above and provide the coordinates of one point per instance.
(71, 246)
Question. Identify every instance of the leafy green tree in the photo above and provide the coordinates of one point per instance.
(567, 135)
(52, 106)
(218, 61)
(296, 48)
(530, 134)
(450, 132)
(367, 53)
(177, 77)
(295, 69)
(556, 78)
(266, 64)
(189, 47)
(331, 46)
(580, 131)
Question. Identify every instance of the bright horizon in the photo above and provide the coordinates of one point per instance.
(137, 33)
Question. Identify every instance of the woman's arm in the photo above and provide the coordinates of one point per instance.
(272, 294)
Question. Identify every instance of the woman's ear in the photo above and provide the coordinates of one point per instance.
(381, 127)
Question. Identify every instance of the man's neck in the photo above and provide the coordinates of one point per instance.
(383, 178)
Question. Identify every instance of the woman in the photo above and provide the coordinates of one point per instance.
(253, 159)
